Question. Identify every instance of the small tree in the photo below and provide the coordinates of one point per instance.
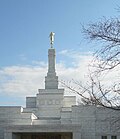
(106, 60)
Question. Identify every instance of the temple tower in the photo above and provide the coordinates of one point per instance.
(51, 80)
(49, 102)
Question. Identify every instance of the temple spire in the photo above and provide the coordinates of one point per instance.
(51, 80)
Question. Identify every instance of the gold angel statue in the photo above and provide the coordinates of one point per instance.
(52, 34)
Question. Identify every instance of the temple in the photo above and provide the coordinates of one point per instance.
(52, 115)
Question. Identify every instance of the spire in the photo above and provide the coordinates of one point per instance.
(51, 80)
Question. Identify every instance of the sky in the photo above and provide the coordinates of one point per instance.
(25, 26)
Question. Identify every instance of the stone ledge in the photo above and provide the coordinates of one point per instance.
(43, 128)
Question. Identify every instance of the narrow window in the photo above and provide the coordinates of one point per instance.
(113, 137)
(104, 137)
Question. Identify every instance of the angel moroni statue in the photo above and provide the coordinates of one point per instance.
(52, 34)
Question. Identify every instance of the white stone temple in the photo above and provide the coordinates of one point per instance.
(51, 115)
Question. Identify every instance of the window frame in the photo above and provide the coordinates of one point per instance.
(103, 137)
(114, 137)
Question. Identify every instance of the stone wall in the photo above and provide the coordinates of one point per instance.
(89, 122)
(13, 115)
(96, 121)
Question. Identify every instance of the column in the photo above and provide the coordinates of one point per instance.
(76, 135)
(8, 135)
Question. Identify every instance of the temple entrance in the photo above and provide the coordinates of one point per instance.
(43, 135)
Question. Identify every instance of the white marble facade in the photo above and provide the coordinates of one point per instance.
(51, 115)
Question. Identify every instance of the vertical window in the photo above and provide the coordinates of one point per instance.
(104, 137)
(113, 137)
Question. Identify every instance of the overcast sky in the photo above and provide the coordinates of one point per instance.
(25, 26)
